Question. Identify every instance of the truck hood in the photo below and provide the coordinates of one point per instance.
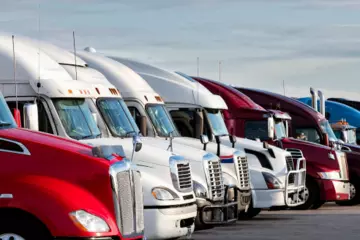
(225, 151)
(305, 143)
(353, 147)
(189, 152)
(33, 138)
(147, 154)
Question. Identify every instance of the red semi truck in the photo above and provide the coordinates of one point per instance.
(55, 188)
(327, 173)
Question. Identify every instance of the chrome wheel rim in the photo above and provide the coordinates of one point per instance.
(306, 194)
(10, 236)
(352, 191)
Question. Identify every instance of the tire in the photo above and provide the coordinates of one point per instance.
(354, 194)
(251, 213)
(22, 227)
(313, 196)
(318, 204)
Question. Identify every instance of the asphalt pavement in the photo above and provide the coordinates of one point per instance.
(329, 222)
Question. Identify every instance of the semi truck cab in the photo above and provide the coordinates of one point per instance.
(59, 175)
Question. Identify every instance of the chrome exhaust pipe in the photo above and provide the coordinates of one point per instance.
(322, 102)
(314, 98)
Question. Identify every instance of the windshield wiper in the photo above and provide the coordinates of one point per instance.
(130, 133)
(87, 137)
(5, 124)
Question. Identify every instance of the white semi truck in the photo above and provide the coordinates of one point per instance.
(50, 100)
(205, 167)
(137, 94)
(196, 111)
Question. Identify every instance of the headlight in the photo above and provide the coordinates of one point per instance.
(199, 190)
(272, 182)
(330, 175)
(89, 222)
(164, 194)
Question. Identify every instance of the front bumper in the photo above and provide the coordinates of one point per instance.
(333, 190)
(172, 222)
(244, 199)
(266, 198)
(216, 213)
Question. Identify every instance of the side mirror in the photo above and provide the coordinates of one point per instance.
(271, 127)
(31, 116)
(232, 140)
(137, 144)
(141, 121)
(204, 139)
(326, 139)
(217, 140)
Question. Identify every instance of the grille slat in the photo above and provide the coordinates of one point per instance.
(244, 176)
(290, 167)
(184, 176)
(216, 181)
(126, 202)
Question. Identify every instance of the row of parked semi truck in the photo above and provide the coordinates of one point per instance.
(102, 147)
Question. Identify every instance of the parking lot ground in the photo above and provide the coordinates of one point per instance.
(329, 222)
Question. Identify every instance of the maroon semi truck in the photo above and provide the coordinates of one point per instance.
(327, 172)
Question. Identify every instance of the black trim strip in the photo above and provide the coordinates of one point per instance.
(172, 206)
(264, 161)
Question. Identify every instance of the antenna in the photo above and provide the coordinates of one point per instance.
(75, 55)
(284, 87)
(14, 66)
(198, 65)
(219, 71)
(39, 83)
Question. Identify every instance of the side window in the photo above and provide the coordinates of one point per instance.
(184, 121)
(135, 113)
(307, 134)
(44, 122)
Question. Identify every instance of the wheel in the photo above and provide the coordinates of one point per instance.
(354, 195)
(251, 212)
(318, 204)
(311, 195)
(22, 227)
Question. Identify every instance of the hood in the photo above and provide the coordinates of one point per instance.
(353, 147)
(33, 138)
(189, 152)
(147, 154)
(225, 151)
(304, 143)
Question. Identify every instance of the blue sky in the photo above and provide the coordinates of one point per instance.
(259, 42)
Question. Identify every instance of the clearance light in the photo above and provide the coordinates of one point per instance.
(81, 92)
(97, 90)
(113, 91)
(158, 98)
(70, 91)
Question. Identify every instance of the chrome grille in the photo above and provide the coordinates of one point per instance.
(128, 199)
(216, 188)
(290, 167)
(184, 174)
(126, 203)
(295, 153)
(244, 175)
(343, 166)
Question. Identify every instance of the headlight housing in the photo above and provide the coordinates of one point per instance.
(164, 194)
(334, 175)
(199, 190)
(272, 182)
(89, 222)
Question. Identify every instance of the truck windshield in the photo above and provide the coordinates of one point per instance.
(256, 129)
(6, 119)
(161, 120)
(280, 130)
(216, 122)
(117, 117)
(77, 119)
(326, 128)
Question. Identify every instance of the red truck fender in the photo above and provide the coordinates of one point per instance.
(51, 200)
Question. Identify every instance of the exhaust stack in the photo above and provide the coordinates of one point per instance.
(322, 103)
(313, 98)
